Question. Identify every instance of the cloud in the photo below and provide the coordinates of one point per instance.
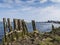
(56, 1)
(8, 1)
(43, 1)
(51, 13)
(28, 12)
(22, 3)
(31, 1)
(5, 5)
(38, 14)
(18, 1)
(26, 9)
(15, 3)
(44, 14)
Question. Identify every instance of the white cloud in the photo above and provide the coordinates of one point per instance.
(56, 1)
(18, 1)
(42, 14)
(43, 1)
(13, 1)
(39, 13)
(30, 1)
(26, 9)
(8, 1)
(51, 13)
(5, 5)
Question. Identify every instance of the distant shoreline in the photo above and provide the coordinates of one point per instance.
(43, 22)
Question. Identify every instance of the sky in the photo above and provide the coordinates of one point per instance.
(38, 10)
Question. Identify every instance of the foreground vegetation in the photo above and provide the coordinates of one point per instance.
(36, 38)
(21, 36)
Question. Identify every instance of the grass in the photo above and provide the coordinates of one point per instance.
(55, 40)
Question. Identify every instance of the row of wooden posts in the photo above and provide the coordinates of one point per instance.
(18, 25)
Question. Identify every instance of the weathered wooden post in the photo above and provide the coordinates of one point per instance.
(52, 27)
(10, 30)
(5, 28)
(20, 24)
(15, 21)
(5, 32)
(35, 31)
(20, 28)
(15, 24)
(33, 25)
(9, 25)
(53, 31)
(25, 30)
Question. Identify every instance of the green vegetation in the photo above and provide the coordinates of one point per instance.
(21, 36)
(46, 38)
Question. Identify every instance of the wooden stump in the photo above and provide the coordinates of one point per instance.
(33, 25)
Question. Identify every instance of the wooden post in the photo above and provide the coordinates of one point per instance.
(23, 33)
(15, 24)
(53, 31)
(5, 28)
(20, 24)
(35, 31)
(5, 32)
(10, 29)
(33, 25)
(9, 25)
(52, 27)
(25, 30)
(15, 21)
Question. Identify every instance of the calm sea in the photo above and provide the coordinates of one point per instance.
(42, 27)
